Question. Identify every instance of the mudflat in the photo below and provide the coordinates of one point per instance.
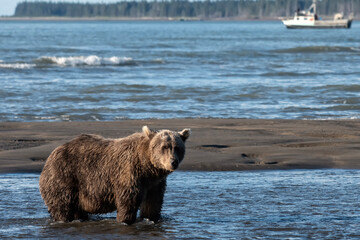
(214, 145)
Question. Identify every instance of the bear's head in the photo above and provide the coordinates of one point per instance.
(167, 148)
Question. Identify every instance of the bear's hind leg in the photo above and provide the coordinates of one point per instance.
(61, 213)
(66, 207)
(65, 214)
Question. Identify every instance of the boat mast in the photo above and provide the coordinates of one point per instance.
(313, 7)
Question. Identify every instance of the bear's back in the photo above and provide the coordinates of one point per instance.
(96, 152)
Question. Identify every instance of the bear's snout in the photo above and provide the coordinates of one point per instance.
(175, 164)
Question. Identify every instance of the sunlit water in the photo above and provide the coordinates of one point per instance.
(300, 204)
(104, 70)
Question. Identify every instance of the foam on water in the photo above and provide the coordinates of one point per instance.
(91, 60)
(78, 61)
(16, 65)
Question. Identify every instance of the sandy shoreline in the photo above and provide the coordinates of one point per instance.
(215, 144)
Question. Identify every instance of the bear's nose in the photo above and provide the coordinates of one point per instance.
(175, 164)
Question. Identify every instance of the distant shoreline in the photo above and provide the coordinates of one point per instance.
(150, 19)
(130, 19)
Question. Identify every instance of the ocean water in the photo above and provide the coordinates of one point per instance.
(104, 70)
(299, 204)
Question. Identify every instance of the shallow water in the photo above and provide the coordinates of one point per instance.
(66, 71)
(299, 204)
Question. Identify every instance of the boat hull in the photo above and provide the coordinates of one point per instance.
(319, 24)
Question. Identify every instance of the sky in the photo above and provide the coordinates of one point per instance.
(7, 7)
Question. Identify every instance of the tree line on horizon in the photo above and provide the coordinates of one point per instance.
(203, 9)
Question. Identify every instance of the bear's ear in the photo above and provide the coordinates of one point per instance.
(147, 131)
(184, 134)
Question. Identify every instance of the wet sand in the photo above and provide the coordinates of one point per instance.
(215, 144)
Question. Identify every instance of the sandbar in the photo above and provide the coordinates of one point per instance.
(215, 144)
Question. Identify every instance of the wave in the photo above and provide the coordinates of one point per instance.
(78, 61)
(318, 49)
(16, 65)
(354, 88)
(91, 60)
(288, 74)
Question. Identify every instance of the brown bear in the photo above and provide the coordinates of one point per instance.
(92, 174)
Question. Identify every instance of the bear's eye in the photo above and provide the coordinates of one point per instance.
(166, 147)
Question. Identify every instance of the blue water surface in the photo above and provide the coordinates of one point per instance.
(296, 204)
(110, 70)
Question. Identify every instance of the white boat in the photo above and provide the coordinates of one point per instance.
(309, 19)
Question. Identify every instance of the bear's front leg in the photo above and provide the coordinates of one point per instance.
(126, 215)
(152, 203)
(127, 209)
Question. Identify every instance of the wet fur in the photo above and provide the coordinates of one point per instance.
(92, 174)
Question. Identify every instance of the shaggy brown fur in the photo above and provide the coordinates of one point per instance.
(91, 174)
